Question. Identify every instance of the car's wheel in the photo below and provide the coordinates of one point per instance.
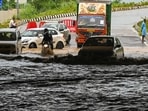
(32, 45)
(60, 45)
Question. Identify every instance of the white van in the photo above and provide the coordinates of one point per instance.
(10, 41)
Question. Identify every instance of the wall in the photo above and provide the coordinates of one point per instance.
(8, 14)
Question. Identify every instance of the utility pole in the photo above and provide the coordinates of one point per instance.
(17, 7)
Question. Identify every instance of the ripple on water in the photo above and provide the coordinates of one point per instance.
(33, 86)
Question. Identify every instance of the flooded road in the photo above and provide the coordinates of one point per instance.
(27, 86)
(37, 86)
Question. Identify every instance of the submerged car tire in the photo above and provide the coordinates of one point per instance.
(32, 45)
(60, 45)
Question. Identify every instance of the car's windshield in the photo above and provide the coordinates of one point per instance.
(91, 21)
(50, 25)
(99, 41)
(30, 33)
(7, 36)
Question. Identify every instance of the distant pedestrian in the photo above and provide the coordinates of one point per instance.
(143, 30)
(12, 23)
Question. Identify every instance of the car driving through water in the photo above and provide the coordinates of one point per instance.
(32, 38)
(102, 46)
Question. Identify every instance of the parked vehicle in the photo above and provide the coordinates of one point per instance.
(93, 18)
(33, 37)
(102, 47)
(60, 27)
(10, 41)
(70, 23)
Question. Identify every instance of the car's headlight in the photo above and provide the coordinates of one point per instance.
(26, 40)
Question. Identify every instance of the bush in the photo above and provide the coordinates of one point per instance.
(28, 12)
(4, 24)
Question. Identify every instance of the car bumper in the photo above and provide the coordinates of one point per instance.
(8, 48)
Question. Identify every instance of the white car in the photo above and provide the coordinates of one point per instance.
(60, 27)
(32, 38)
(10, 41)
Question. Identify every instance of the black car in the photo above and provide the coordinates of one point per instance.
(102, 46)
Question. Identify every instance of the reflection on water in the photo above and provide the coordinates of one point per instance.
(29, 86)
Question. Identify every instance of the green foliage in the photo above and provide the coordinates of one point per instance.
(8, 5)
(12, 4)
(119, 4)
(4, 5)
(28, 12)
(4, 24)
(48, 8)
(116, 1)
(53, 7)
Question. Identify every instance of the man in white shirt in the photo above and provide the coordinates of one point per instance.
(12, 23)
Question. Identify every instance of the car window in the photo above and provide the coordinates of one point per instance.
(31, 33)
(48, 25)
(64, 26)
(100, 41)
(61, 27)
(7, 36)
(53, 32)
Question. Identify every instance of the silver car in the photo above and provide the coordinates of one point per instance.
(10, 41)
(60, 27)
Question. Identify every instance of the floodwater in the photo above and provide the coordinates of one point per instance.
(38, 86)
(28, 86)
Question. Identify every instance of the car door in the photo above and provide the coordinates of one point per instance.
(19, 43)
(39, 36)
(118, 48)
(64, 31)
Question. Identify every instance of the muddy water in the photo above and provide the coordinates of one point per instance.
(28, 86)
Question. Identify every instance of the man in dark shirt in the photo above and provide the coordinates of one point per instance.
(47, 38)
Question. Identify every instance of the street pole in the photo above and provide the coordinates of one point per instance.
(17, 7)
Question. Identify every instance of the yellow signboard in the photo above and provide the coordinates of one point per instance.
(92, 8)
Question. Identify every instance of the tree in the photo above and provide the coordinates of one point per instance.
(5, 5)
(44, 5)
(12, 4)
